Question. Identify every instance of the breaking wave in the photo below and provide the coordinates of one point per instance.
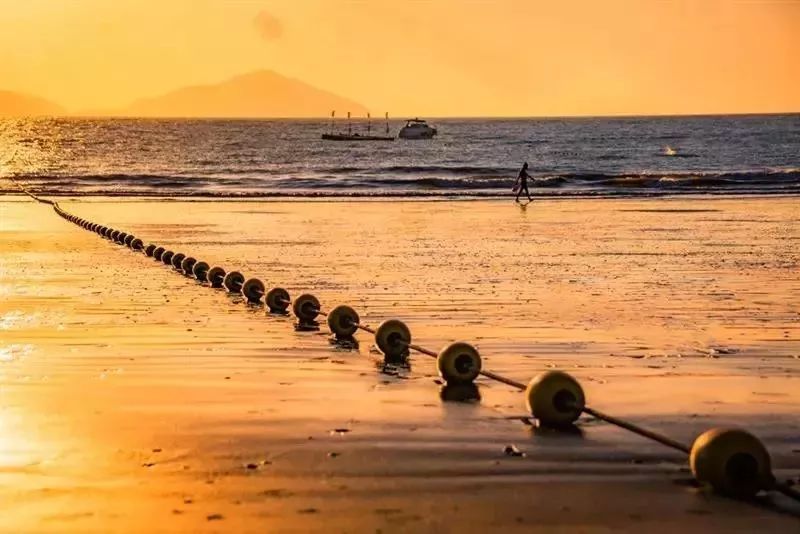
(410, 181)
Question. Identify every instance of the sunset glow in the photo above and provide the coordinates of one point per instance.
(434, 58)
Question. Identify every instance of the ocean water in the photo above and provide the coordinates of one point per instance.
(470, 158)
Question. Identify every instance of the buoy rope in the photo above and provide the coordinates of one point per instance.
(782, 487)
(637, 430)
(509, 381)
(488, 374)
(417, 348)
(33, 196)
(366, 328)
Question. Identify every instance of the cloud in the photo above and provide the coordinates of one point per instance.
(268, 26)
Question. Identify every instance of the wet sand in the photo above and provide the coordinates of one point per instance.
(134, 399)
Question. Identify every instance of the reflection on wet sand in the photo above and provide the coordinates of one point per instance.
(130, 397)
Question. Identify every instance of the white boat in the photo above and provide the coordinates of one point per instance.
(416, 129)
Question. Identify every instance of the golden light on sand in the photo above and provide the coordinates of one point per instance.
(15, 448)
(441, 355)
(164, 402)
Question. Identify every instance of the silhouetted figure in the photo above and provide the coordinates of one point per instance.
(522, 182)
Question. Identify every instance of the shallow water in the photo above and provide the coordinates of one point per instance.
(479, 157)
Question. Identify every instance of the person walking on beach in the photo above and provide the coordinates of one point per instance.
(522, 183)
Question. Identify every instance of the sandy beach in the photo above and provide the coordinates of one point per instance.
(135, 399)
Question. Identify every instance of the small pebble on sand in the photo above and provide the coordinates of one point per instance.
(512, 450)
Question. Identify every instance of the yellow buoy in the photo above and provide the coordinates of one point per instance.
(734, 462)
(233, 281)
(342, 321)
(215, 276)
(306, 308)
(459, 363)
(278, 300)
(200, 271)
(187, 265)
(253, 289)
(392, 337)
(555, 398)
(177, 259)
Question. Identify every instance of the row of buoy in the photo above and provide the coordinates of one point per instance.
(732, 461)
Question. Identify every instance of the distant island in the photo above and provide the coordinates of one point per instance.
(257, 94)
(260, 94)
(14, 104)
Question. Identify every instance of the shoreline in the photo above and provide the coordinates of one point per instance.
(8, 196)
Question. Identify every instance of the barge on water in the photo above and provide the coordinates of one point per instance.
(350, 136)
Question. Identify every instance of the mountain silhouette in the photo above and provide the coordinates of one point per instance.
(14, 104)
(254, 95)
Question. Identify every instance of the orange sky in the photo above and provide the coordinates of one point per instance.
(433, 58)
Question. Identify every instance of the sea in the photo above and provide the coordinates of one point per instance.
(469, 158)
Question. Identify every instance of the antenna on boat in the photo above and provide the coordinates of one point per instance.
(349, 126)
(369, 124)
(333, 114)
(387, 123)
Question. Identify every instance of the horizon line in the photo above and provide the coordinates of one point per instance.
(437, 117)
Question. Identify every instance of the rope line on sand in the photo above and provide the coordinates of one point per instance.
(732, 461)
